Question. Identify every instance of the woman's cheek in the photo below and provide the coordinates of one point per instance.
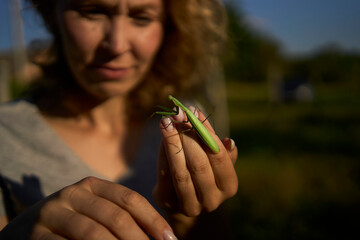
(150, 41)
(81, 37)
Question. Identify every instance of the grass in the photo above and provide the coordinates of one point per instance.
(299, 164)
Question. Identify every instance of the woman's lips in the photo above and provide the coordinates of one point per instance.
(112, 73)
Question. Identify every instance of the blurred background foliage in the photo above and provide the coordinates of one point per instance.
(296, 122)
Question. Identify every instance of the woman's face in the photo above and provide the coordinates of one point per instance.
(110, 44)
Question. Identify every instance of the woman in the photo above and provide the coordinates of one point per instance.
(111, 61)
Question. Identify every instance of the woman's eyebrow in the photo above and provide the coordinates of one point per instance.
(145, 6)
(78, 3)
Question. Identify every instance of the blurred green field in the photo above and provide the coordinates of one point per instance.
(299, 164)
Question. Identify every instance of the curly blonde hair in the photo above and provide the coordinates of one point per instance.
(195, 31)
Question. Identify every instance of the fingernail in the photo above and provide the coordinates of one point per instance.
(168, 235)
(167, 124)
(229, 144)
(180, 116)
(232, 145)
(194, 111)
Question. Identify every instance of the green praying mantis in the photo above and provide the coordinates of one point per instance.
(200, 129)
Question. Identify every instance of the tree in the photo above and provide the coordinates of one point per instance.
(249, 53)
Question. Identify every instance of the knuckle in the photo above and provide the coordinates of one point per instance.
(192, 211)
(131, 198)
(88, 181)
(68, 193)
(93, 203)
(71, 191)
(159, 222)
(199, 167)
(231, 190)
(211, 205)
(71, 218)
(92, 232)
(119, 217)
(218, 159)
(182, 176)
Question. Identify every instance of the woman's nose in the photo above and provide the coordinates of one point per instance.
(118, 36)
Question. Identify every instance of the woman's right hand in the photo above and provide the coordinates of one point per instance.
(90, 209)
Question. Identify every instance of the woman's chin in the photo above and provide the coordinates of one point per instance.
(108, 90)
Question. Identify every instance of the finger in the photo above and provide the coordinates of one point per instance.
(138, 207)
(181, 176)
(201, 172)
(105, 212)
(73, 225)
(221, 164)
(43, 233)
(200, 169)
(49, 236)
(197, 161)
(230, 146)
(164, 192)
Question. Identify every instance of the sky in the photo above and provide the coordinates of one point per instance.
(299, 25)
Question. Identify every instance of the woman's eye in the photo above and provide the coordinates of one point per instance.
(142, 19)
(93, 11)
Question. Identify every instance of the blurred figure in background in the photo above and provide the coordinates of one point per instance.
(110, 63)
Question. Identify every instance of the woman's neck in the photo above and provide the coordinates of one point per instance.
(102, 134)
(107, 116)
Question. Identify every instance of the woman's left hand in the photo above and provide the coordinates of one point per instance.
(191, 178)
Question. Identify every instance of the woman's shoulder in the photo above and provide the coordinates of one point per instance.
(17, 122)
(20, 121)
(16, 110)
(19, 117)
